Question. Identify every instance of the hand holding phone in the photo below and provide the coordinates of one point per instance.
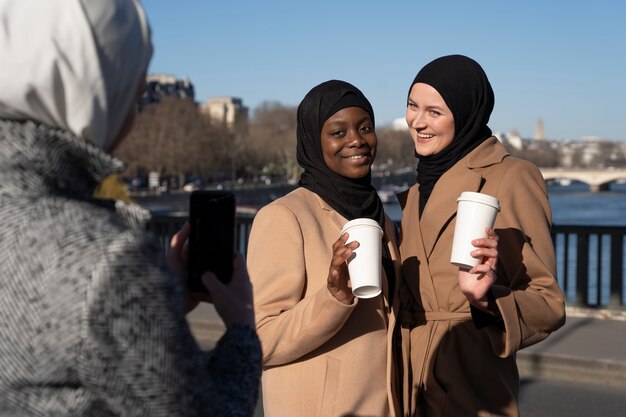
(212, 236)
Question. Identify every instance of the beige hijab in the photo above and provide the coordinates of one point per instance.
(72, 64)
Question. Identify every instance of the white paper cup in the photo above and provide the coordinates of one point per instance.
(475, 212)
(364, 266)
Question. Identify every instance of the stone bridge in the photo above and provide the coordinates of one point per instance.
(597, 179)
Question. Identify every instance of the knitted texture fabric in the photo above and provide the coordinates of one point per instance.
(92, 322)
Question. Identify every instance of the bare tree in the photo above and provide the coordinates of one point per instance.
(395, 148)
(172, 137)
(272, 140)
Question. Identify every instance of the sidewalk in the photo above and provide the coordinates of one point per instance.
(590, 348)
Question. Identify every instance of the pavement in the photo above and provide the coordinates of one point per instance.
(589, 348)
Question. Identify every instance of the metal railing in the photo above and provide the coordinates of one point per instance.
(590, 259)
(165, 225)
(590, 264)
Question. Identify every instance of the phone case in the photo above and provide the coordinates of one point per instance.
(212, 236)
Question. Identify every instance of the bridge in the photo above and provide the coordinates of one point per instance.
(597, 179)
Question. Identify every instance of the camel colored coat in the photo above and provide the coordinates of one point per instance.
(455, 368)
(321, 357)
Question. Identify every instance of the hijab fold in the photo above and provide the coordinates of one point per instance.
(464, 86)
(73, 64)
(352, 198)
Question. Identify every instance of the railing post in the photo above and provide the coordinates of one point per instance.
(582, 269)
(617, 271)
(566, 283)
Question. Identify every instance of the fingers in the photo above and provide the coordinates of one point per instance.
(338, 281)
(233, 301)
(491, 241)
(240, 280)
(179, 239)
(482, 270)
(176, 258)
(214, 285)
(333, 278)
(487, 248)
(490, 253)
(342, 251)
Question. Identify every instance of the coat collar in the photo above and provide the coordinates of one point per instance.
(441, 206)
(49, 160)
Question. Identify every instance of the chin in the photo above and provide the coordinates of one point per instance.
(422, 151)
(358, 175)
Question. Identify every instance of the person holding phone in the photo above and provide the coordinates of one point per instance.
(461, 329)
(93, 323)
(324, 351)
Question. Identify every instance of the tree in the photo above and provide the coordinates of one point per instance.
(173, 137)
(272, 140)
(395, 148)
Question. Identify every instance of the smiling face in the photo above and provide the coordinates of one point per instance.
(430, 121)
(349, 142)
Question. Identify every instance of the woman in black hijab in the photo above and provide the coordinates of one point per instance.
(325, 351)
(461, 328)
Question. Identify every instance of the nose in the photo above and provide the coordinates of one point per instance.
(355, 138)
(415, 119)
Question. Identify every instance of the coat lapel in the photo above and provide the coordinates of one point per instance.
(441, 206)
(410, 237)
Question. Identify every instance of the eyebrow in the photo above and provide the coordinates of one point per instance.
(429, 107)
(343, 120)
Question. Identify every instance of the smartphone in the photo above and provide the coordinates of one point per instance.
(212, 236)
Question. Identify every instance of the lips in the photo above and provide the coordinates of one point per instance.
(357, 157)
(423, 137)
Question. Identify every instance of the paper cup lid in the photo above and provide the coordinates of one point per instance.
(479, 198)
(361, 222)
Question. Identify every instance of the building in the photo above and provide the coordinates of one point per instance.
(229, 111)
(160, 85)
(539, 131)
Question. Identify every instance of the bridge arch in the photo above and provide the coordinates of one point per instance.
(598, 180)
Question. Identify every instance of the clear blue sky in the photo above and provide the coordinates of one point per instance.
(561, 61)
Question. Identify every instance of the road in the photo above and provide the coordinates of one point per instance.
(553, 398)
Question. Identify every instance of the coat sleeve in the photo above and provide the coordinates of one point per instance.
(527, 292)
(289, 324)
(138, 353)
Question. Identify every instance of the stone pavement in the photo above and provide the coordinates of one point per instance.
(590, 348)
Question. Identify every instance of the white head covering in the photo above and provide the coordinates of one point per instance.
(73, 64)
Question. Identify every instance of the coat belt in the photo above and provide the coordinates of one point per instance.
(410, 319)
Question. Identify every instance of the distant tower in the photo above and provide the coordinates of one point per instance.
(539, 130)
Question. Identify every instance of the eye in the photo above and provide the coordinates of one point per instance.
(411, 105)
(337, 133)
(366, 129)
(434, 113)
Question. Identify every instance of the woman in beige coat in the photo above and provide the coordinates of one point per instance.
(324, 351)
(461, 331)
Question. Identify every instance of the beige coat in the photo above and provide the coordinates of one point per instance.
(455, 368)
(321, 357)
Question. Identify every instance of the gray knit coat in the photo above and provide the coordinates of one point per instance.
(91, 323)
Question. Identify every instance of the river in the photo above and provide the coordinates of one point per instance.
(574, 205)
(571, 205)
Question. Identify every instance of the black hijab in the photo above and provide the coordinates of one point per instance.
(464, 86)
(352, 198)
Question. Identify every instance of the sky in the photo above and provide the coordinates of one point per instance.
(560, 61)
